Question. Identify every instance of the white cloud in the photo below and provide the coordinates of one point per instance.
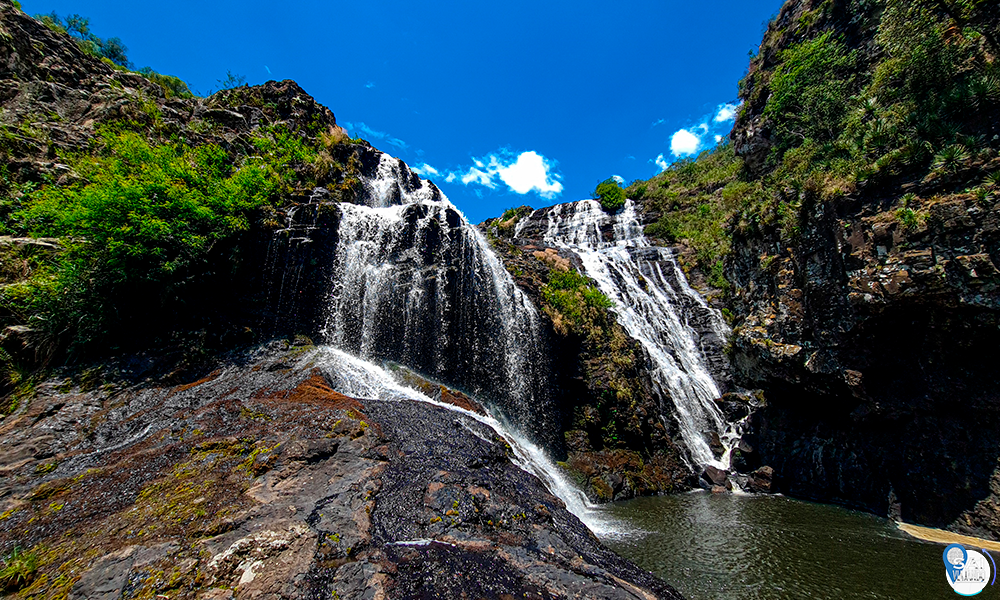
(529, 173)
(684, 143)
(619, 179)
(703, 133)
(474, 175)
(725, 112)
(425, 170)
(521, 173)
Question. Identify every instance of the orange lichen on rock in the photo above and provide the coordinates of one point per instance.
(457, 398)
(210, 377)
(316, 390)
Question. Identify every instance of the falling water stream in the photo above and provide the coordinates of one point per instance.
(647, 287)
(414, 283)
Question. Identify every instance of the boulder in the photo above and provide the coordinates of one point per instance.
(715, 443)
(714, 476)
(743, 458)
(735, 406)
(762, 480)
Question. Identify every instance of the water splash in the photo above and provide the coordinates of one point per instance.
(413, 282)
(352, 376)
(649, 291)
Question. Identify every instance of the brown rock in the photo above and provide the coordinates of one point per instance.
(762, 480)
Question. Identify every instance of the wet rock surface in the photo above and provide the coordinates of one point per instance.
(257, 480)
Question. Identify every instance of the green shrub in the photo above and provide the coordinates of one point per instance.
(950, 159)
(573, 302)
(139, 228)
(79, 28)
(611, 195)
(19, 569)
(173, 87)
(809, 90)
(908, 218)
(992, 181)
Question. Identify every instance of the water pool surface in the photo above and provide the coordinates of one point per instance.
(743, 547)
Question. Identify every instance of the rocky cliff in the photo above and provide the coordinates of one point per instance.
(856, 226)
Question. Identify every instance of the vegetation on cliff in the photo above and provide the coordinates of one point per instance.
(857, 98)
(78, 27)
(130, 227)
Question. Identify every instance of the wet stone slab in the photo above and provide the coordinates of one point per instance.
(258, 480)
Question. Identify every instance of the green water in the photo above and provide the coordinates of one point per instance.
(728, 547)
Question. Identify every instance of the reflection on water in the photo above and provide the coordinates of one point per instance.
(741, 547)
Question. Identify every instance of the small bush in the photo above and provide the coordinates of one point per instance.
(577, 305)
(950, 159)
(992, 181)
(78, 28)
(173, 87)
(908, 218)
(19, 569)
(611, 195)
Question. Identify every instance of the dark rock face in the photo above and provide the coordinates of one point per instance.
(259, 480)
(872, 338)
(874, 346)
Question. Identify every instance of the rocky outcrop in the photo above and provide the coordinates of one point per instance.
(871, 325)
(258, 480)
(55, 100)
(874, 344)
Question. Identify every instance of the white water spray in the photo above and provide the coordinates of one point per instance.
(647, 296)
(359, 378)
(416, 284)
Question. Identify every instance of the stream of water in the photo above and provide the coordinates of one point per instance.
(414, 283)
(753, 547)
(650, 294)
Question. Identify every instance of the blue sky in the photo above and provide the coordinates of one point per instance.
(500, 104)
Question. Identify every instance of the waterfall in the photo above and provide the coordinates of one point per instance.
(649, 291)
(413, 282)
(359, 378)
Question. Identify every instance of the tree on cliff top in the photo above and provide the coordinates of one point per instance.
(610, 194)
(79, 28)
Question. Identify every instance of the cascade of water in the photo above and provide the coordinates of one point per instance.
(630, 272)
(359, 378)
(414, 283)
